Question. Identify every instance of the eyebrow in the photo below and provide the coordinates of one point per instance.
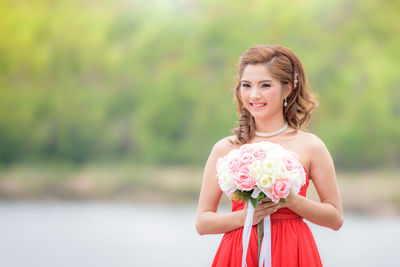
(263, 81)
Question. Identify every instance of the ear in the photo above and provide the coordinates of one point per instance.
(287, 90)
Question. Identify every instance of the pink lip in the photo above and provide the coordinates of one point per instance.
(256, 108)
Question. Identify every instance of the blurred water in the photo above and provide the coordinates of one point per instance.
(99, 234)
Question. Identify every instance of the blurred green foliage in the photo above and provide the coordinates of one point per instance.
(152, 81)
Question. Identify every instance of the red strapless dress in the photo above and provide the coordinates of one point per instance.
(292, 242)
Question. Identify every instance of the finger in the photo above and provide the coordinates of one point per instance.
(263, 210)
(266, 211)
(258, 217)
(267, 205)
(268, 202)
(265, 200)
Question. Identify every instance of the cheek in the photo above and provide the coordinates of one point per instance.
(274, 92)
(244, 95)
(271, 94)
(274, 95)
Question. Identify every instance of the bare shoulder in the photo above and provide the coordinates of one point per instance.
(225, 145)
(220, 149)
(316, 151)
(311, 142)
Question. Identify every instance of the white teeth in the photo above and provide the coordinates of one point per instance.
(257, 105)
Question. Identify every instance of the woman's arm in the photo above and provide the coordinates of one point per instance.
(208, 221)
(329, 211)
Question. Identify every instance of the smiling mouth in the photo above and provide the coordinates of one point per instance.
(258, 105)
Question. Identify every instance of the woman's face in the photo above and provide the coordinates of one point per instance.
(261, 94)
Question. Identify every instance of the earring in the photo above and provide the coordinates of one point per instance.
(285, 103)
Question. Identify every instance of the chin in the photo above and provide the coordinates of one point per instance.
(259, 116)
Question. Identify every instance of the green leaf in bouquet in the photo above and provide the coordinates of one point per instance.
(261, 196)
(282, 200)
(253, 202)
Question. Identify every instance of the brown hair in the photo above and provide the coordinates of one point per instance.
(282, 64)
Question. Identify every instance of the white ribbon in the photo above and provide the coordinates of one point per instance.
(265, 250)
(256, 192)
(247, 231)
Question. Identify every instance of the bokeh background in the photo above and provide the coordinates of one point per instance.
(109, 110)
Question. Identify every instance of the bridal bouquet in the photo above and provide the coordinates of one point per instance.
(260, 169)
(255, 171)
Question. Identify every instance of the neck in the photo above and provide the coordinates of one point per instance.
(270, 125)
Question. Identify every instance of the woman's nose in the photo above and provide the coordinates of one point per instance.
(255, 93)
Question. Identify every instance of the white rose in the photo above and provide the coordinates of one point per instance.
(281, 171)
(235, 153)
(269, 165)
(264, 182)
(255, 166)
(225, 181)
(296, 181)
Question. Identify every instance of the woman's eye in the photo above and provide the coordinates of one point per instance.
(266, 85)
(245, 85)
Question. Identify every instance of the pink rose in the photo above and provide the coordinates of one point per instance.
(246, 158)
(246, 149)
(260, 153)
(244, 180)
(291, 162)
(234, 165)
(280, 189)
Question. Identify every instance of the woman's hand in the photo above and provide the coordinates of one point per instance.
(265, 207)
(289, 200)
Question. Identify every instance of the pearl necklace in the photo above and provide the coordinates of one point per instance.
(273, 133)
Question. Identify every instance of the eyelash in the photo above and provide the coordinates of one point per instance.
(245, 85)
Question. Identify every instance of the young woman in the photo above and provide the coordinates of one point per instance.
(273, 104)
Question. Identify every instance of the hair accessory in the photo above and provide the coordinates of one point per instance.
(295, 80)
(273, 133)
